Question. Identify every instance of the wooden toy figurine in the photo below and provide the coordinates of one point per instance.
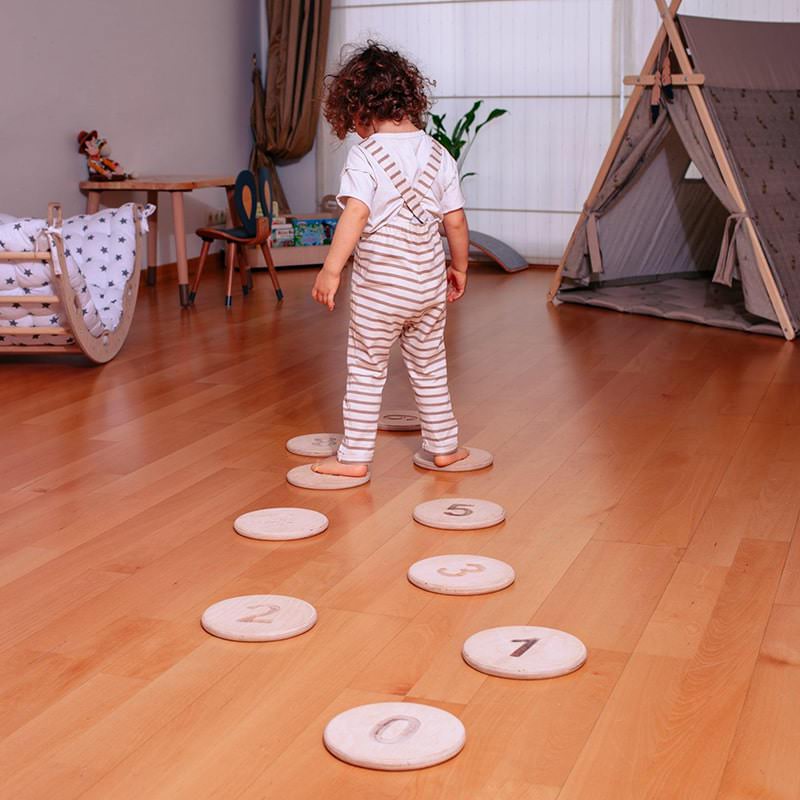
(101, 167)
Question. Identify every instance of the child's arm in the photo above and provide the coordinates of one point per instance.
(457, 232)
(345, 237)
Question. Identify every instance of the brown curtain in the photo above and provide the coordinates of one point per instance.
(284, 116)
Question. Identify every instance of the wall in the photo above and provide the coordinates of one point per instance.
(556, 65)
(167, 83)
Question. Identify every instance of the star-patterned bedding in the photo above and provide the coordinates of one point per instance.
(100, 251)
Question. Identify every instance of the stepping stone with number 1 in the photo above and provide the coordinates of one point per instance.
(394, 736)
(459, 513)
(524, 651)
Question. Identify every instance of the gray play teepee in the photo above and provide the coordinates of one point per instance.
(695, 214)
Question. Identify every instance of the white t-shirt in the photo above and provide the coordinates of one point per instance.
(364, 179)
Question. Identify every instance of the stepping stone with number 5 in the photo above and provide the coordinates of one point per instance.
(459, 513)
(524, 651)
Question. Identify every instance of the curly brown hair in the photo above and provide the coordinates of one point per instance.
(375, 83)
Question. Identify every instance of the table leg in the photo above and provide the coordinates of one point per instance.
(180, 247)
(152, 240)
(93, 201)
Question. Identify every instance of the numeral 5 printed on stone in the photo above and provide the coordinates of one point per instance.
(459, 510)
(394, 729)
(262, 616)
(465, 570)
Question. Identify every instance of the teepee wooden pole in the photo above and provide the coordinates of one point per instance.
(616, 141)
(725, 169)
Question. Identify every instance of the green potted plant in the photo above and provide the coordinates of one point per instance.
(460, 140)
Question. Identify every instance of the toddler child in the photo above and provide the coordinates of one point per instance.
(397, 187)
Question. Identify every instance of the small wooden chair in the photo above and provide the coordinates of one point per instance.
(253, 230)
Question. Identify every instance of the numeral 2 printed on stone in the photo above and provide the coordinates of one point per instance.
(404, 728)
(527, 644)
(459, 510)
(465, 570)
(261, 616)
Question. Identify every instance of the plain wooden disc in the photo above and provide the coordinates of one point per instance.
(395, 736)
(459, 513)
(524, 651)
(461, 574)
(305, 478)
(259, 618)
(399, 420)
(477, 459)
(315, 445)
(280, 524)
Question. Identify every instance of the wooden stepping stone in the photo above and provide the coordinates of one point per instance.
(477, 459)
(461, 574)
(315, 445)
(280, 524)
(259, 618)
(459, 514)
(395, 736)
(403, 420)
(305, 478)
(524, 651)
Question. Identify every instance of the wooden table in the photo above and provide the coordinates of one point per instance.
(175, 186)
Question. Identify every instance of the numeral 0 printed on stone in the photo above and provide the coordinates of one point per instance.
(261, 616)
(527, 644)
(382, 732)
(465, 570)
(459, 510)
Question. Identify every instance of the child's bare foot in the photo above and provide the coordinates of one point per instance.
(332, 466)
(451, 458)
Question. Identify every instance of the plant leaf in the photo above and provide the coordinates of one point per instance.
(494, 114)
(468, 175)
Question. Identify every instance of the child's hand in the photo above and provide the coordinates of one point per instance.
(456, 284)
(325, 288)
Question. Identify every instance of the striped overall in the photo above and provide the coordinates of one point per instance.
(399, 291)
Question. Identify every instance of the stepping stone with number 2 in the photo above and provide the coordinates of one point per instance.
(259, 618)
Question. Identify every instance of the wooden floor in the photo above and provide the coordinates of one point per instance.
(650, 470)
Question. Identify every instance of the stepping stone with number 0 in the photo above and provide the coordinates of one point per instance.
(477, 459)
(461, 574)
(395, 736)
(315, 445)
(259, 618)
(399, 421)
(524, 651)
(459, 513)
(280, 524)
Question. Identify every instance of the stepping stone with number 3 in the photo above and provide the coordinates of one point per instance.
(524, 651)
(394, 736)
(459, 513)
(461, 574)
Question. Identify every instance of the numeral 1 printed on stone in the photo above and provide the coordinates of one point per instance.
(459, 510)
(395, 729)
(527, 644)
(261, 616)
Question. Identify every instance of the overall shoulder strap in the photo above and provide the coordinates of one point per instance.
(428, 175)
(410, 196)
